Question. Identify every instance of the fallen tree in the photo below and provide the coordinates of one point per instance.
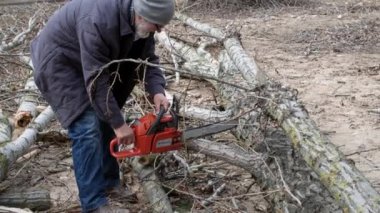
(344, 181)
(269, 179)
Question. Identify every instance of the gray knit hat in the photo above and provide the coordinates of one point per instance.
(155, 11)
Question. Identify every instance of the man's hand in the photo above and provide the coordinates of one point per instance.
(160, 99)
(125, 134)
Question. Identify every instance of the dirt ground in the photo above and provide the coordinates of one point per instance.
(328, 51)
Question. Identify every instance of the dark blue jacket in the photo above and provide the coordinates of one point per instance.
(80, 38)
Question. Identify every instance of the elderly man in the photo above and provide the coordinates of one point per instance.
(68, 54)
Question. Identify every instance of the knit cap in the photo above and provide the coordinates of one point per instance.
(155, 11)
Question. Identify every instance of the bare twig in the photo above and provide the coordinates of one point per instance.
(286, 187)
(363, 151)
(209, 200)
(18, 39)
(183, 71)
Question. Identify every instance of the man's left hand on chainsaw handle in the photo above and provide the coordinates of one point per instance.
(159, 100)
(124, 134)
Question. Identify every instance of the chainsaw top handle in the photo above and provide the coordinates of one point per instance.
(155, 124)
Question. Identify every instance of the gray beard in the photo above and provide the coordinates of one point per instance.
(140, 35)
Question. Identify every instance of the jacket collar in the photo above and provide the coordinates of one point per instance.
(126, 25)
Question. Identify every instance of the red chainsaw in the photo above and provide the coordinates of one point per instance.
(159, 133)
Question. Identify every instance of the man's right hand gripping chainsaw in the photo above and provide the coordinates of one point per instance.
(159, 133)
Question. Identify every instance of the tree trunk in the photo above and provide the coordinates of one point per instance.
(345, 182)
(34, 199)
(15, 149)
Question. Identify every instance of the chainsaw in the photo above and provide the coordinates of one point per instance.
(158, 133)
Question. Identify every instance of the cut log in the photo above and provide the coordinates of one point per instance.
(156, 195)
(5, 129)
(34, 199)
(345, 183)
(27, 109)
(15, 149)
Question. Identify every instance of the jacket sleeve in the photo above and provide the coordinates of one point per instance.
(154, 78)
(96, 44)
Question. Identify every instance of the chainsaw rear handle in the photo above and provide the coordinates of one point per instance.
(135, 151)
(122, 154)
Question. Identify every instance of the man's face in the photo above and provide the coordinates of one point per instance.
(143, 27)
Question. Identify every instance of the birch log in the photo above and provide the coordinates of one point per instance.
(346, 184)
(248, 68)
(5, 129)
(156, 195)
(15, 149)
(27, 109)
(250, 161)
(205, 114)
(34, 199)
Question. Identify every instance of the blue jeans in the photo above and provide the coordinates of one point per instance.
(95, 169)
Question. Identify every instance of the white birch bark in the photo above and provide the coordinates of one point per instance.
(5, 129)
(200, 65)
(245, 64)
(27, 109)
(206, 114)
(157, 197)
(15, 149)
